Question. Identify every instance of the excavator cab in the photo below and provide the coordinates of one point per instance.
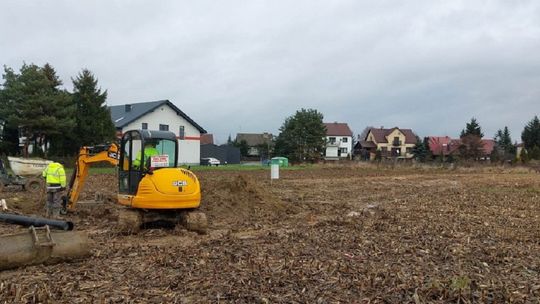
(143, 152)
(148, 174)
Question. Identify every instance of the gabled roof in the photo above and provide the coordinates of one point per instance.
(442, 145)
(254, 139)
(122, 118)
(488, 146)
(380, 135)
(446, 146)
(365, 144)
(337, 129)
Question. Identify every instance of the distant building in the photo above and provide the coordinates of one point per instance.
(161, 115)
(256, 142)
(519, 147)
(207, 139)
(227, 154)
(444, 146)
(392, 143)
(338, 141)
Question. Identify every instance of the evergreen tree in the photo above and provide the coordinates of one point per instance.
(32, 102)
(420, 151)
(535, 153)
(243, 146)
(531, 134)
(429, 153)
(93, 118)
(50, 73)
(9, 139)
(524, 156)
(471, 147)
(302, 136)
(229, 140)
(504, 148)
(472, 128)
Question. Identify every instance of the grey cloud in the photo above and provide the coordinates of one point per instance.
(246, 65)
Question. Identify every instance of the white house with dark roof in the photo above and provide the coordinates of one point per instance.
(165, 116)
(338, 141)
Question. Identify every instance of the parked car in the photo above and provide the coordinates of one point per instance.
(210, 161)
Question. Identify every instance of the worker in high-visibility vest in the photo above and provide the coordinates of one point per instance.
(55, 177)
(149, 151)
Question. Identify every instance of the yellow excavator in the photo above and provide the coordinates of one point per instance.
(151, 188)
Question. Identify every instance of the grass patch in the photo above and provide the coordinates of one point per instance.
(240, 167)
(236, 167)
(93, 171)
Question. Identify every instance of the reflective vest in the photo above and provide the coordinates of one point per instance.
(55, 174)
(148, 152)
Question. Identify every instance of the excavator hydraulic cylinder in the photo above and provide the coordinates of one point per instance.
(41, 245)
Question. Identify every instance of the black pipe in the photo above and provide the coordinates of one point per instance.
(35, 221)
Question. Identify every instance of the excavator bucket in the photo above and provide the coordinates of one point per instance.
(41, 245)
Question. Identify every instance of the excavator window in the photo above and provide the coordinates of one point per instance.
(167, 148)
(129, 173)
(143, 155)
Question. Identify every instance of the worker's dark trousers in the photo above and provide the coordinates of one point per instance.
(54, 203)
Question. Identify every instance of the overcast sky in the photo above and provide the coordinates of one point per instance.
(244, 66)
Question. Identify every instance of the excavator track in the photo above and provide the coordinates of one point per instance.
(130, 220)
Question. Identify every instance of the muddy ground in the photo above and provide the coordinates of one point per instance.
(320, 235)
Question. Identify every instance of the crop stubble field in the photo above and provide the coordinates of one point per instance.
(343, 234)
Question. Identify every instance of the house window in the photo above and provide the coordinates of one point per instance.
(332, 140)
(344, 139)
(144, 126)
(343, 150)
(163, 127)
(181, 132)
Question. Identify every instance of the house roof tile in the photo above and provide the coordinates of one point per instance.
(122, 118)
(381, 133)
(207, 139)
(255, 139)
(337, 129)
(444, 145)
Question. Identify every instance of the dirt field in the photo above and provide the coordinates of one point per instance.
(322, 235)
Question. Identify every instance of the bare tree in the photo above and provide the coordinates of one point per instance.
(364, 133)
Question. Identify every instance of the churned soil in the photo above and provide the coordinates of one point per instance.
(327, 234)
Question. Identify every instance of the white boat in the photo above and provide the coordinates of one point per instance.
(28, 166)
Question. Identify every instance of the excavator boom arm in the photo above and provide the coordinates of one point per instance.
(88, 156)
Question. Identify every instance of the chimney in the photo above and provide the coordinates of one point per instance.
(128, 108)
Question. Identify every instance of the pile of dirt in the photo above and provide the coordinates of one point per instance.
(24, 201)
(242, 200)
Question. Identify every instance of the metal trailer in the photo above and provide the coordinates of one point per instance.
(32, 184)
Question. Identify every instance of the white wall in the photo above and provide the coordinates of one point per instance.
(331, 151)
(189, 148)
(340, 144)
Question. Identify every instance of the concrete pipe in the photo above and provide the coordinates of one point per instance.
(41, 245)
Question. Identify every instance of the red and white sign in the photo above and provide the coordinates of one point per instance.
(159, 161)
